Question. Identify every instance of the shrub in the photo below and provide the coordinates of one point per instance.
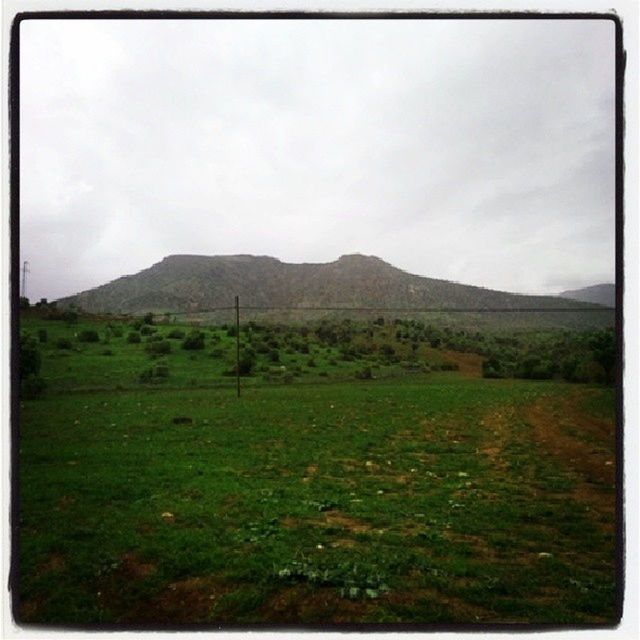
(161, 347)
(176, 334)
(148, 318)
(32, 387)
(146, 330)
(156, 374)
(88, 335)
(133, 337)
(492, 368)
(247, 362)
(274, 355)
(31, 384)
(42, 335)
(364, 374)
(311, 362)
(30, 360)
(63, 343)
(195, 340)
(117, 332)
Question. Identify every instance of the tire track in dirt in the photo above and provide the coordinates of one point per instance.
(584, 445)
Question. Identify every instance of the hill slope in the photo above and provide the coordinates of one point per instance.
(604, 294)
(182, 283)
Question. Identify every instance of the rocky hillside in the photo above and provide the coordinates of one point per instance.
(182, 283)
(604, 294)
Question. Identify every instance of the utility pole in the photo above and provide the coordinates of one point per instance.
(238, 346)
(25, 270)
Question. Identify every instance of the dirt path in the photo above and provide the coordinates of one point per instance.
(581, 443)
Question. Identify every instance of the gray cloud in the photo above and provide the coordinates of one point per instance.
(478, 151)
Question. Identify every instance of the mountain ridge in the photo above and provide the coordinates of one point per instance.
(604, 294)
(185, 282)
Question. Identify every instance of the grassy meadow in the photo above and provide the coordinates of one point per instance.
(358, 479)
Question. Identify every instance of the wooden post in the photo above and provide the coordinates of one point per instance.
(238, 346)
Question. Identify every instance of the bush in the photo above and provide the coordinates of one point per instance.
(195, 340)
(146, 330)
(247, 362)
(364, 374)
(493, 368)
(117, 332)
(176, 334)
(148, 318)
(134, 337)
(274, 355)
(32, 387)
(42, 335)
(88, 335)
(156, 374)
(160, 347)
(63, 343)
(31, 384)
(30, 360)
(311, 362)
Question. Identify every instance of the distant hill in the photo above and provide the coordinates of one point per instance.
(604, 294)
(182, 283)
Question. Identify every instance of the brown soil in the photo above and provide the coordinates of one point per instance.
(342, 520)
(470, 364)
(302, 603)
(186, 601)
(585, 445)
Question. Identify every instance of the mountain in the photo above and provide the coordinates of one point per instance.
(189, 283)
(604, 294)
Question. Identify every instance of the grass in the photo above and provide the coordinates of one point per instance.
(421, 498)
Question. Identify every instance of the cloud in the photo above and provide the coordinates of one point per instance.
(480, 151)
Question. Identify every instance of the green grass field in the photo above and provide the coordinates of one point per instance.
(435, 497)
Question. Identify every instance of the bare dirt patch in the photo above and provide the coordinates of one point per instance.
(55, 562)
(342, 520)
(469, 364)
(301, 603)
(583, 444)
(185, 601)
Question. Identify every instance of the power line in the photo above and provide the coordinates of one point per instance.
(407, 309)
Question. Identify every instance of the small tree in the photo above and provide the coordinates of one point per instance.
(195, 340)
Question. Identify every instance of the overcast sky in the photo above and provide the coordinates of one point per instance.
(474, 151)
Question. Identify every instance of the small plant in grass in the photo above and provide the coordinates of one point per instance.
(194, 341)
(134, 337)
(88, 335)
(160, 347)
(63, 343)
(311, 362)
(117, 332)
(364, 374)
(31, 384)
(42, 335)
(147, 330)
(156, 374)
(274, 355)
(176, 334)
